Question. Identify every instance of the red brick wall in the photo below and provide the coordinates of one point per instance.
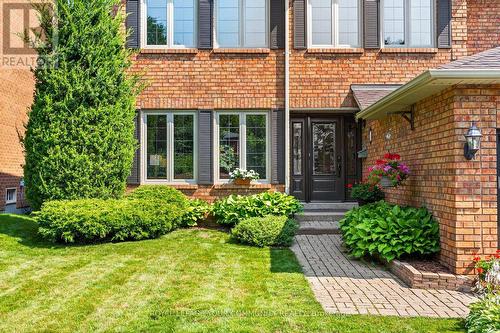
(441, 178)
(322, 79)
(16, 94)
(483, 25)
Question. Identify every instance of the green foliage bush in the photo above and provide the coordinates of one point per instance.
(79, 139)
(231, 210)
(196, 211)
(98, 220)
(265, 231)
(389, 231)
(484, 316)
(193, 210)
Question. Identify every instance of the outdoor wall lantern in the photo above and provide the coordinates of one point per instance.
(473, 142)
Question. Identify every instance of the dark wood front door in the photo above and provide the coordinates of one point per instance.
(317, 159)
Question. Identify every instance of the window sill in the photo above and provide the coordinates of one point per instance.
(408, 50)
(234, 186)
(339, 50)
(169, 51)
(242, 50)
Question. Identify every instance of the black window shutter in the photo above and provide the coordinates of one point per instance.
(135, 173)
(371, 24)
(205, 11)
(299, 24)
(277, 40)
(205, 152)
(443, 23)
(133, 24)
(278, 146)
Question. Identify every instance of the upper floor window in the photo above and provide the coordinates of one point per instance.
(242, 23)
(408, 23)
(334, 23)
(169, 23)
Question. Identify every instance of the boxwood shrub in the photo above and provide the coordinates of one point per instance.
(231, 210)
(389, 231)
(98, 220)
(265, 231)
(484, 315)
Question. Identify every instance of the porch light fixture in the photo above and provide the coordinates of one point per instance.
(473, 142)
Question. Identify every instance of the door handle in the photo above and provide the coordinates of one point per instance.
(339, 165)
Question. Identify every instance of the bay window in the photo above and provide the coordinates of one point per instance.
(242, 23)
(407, 23)
(169, 152)
(242, 143)
(334, 23)
(169, 23)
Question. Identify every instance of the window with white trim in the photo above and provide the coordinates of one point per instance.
(334, 23)
(242, 23)
(169, 152)
(10, 196)
(169, 23)
(407, 23)
(242, 142)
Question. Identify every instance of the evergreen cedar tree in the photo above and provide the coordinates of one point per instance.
(79, 140)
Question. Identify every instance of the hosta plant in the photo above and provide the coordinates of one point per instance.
(231, 210)
(387, 232)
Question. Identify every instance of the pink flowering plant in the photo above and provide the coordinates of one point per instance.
(390, 167)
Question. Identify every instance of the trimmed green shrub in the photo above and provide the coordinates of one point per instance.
(163, 193)
(484, 316)
(193, 210)
(98, 220)
(231, 210)
(265, 231)
(389, 231)
(196, 211)
(79, 139)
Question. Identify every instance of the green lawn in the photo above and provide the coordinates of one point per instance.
(188, 281)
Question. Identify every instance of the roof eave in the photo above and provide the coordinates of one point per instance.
(447, 77)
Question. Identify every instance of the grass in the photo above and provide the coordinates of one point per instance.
(188, 281)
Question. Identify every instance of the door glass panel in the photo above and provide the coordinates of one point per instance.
(183, 146)
(157, 146)
(297, 149)
(256, 144)
(229, 142)
(323, 146)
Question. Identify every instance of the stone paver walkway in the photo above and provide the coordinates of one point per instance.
(347, 286)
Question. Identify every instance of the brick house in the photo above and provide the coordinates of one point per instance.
(294, 89)
(254, 84)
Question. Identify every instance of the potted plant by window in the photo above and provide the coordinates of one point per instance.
(242, 176)
(365, 193)
(388, 172)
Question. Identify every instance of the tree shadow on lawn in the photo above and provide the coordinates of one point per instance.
(25, 230)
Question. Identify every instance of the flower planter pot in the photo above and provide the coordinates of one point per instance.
(240, 181)
(386, 182)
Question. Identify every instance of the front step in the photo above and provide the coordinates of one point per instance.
(329, 206)
(318, 228)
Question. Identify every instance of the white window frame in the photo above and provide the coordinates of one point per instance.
(407, 27)
(243, 145)
(241, 36)
(13, 201)
(170, 27)
(335, 28)
(170, 148)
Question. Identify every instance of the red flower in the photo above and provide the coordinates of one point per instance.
(480, 270)
(392, 157)
(396, 157)
(476, 257)
(380, 162)
(349, 185)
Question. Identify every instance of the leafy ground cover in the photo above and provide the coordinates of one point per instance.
(187, 281)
